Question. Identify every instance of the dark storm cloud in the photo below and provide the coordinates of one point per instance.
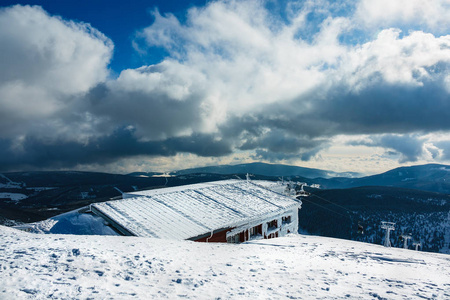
(378, 108)
(397, 111)
(388, 108)
(280, 132)
(155, 115)
(278, 141)
(56, 154)
(200, 144)
(272, 138)
(409, 147)
(273, 156)
(122, 143)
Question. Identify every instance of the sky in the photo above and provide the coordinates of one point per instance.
(114, 86)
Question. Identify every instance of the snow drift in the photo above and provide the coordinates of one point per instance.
(39, 266)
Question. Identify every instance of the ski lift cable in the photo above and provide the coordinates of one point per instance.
(331, 202)
(333, 211)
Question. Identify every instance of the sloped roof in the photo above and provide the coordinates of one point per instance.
(188, 211)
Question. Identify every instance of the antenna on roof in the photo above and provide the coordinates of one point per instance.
(388, 226)
(119, 190)
(302, 192)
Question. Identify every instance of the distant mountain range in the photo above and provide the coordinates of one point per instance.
(263, 169)
(430, 177)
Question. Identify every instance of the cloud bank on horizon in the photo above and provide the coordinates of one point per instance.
(335, 85)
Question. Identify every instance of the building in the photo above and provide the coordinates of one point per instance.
(224, 211)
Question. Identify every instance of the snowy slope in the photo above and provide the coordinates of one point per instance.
(73, 222)
(297, 267)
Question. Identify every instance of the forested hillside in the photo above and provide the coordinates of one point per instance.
(337, 213)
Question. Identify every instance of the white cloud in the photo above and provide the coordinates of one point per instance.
(433, 14)
(243, 57)
(245, 61)
(398, 60)
(447, 83)
(45, 61)
(169, 77)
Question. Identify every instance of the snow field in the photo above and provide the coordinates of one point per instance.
(36, 266)
(13, 196)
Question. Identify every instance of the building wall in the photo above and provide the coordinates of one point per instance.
(270, 227)
(217, 237)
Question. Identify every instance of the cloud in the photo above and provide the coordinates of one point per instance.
(161, 101)
(264, 70)
(237, 78)
(434, 15)
(410, 147)
(45, 62)
(444, 146)
(107, 149)
(247, 59)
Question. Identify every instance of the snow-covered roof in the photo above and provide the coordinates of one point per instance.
(276, 186)
(192, 210)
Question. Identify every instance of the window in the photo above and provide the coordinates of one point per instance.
(272, 225)
(234, 239)
(286, 220)
(254, 231)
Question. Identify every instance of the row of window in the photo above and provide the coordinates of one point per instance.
(257, 230)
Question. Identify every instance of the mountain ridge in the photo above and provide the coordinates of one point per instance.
(265, 169)
(428, 177)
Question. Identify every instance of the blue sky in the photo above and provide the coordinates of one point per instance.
(118, 20)
(358, 86)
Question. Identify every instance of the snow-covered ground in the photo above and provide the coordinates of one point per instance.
(13, 196)
(72, 222)
(297, 267)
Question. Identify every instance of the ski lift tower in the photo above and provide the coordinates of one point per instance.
(388, 226)
(405, 239)
(417, 245)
